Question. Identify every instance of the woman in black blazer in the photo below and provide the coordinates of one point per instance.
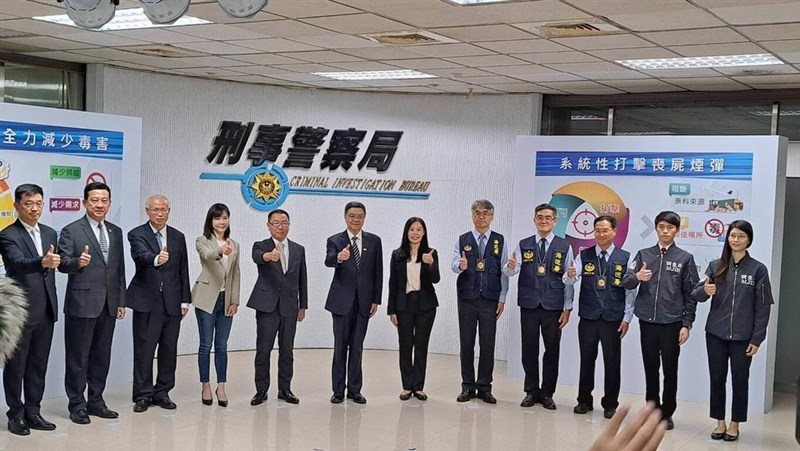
(412, 303)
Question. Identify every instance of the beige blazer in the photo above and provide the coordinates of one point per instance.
(212, 277)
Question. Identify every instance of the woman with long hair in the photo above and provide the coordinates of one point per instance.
(741, 296)
(412, 303)
(215, 297)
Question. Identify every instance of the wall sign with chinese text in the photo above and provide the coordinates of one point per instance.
(82, 142)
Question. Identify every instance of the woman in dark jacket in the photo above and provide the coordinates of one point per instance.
(741, 296)
(412, 303)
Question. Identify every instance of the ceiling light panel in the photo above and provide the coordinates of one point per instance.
(375, 75)
(761, 59)
(126, 19)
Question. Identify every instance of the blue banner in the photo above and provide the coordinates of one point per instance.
(707, 165)
(80, 142)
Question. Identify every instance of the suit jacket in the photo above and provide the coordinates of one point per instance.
(99, 284)
(288, 292)
(213, 276)
(428, 275)
(349, 283)
(24, 265)
(152, 285)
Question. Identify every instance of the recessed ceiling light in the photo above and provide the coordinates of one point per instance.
(126, 19)
(762, 59)
(375, 75)
(476, 2)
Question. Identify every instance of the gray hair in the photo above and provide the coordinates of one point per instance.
(483, 203)
(157, 197)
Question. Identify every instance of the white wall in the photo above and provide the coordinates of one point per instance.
(465, 147)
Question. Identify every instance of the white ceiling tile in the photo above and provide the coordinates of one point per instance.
(576, 68)
(265, 59)
(307, 8)
(159, 35)
(790, 57)
(49, 43)
(753, 80)
(488, 80)
(357, 23)
(296, 76)
(707, 84)
(274, 45)
(760, 13)
(616, 7)
(617, 41)
(418, 82)
(524, 46)
(161, 63)
(776, 86)
(740, 48)
(337, 41)
(362, 66)
(212, 12)
(483, 33)
(204, 61)
(554, 76)
(384, 52)
(757, 70)
(281, 28)
(216, 48)
(13, 47)
(681, 73)
(334, 84)
(556, 57)
(261, 70)
(701, 36)
(219, 32)
(107, 53)
(516, 71)
(581, 87)
(771, 32)
(209, 72)
(792, 45)
(100, 38)
(306, 68)
(622, 75)
(6, 17)
(413, 89)
(66, 56)
(423, 13)
(624, 54)
(425, 63)
(458, 72)
(450, 50)
(642, 85)
(522, 88)
(538, 11)
(466, 89)
(38, 27)
(27, 8)
(321, 56)
(484, 61)
(251, 79)
(672, 20)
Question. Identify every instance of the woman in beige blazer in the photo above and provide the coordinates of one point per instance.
(215, 297)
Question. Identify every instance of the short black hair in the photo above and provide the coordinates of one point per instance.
(95, 186)
(670, 217)
(354, 204)
(611, 220)
(278, 212)
(27, 189)
(541, 207)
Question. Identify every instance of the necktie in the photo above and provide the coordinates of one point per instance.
(354, 249)
(103, 241)
(663, 250)
(159, 238)
(37, 243)
(602, 263)
(481, 245)
(542, 248)
(283, 257)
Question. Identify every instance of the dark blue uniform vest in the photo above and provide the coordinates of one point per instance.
(546, 290)
(473, 284)
(608, 304)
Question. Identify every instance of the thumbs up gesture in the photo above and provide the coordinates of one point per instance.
(51, 259)
(85, 257)
(644, 274)
(227, 248)
(344, 254)
(512, 262)
(462, 263)
(428, 258)
(709, 288)
(571, 271)
(163, 256)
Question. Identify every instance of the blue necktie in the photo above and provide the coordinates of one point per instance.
(482, 245)
(356, 252)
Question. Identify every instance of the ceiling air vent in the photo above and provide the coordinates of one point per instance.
(570, 29)
(414, 37)
(163, 51)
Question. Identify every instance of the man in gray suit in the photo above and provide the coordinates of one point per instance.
(91, 253)
(280, 299)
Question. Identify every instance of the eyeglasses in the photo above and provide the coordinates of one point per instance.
(158, 211)
(356, 217)
(544, 218)
(279, 224)
(482, 213)
(735, 236)
(30, 204)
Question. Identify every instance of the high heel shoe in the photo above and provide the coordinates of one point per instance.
(206, 402)
(221, 402)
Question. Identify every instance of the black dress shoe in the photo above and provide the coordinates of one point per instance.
(528, 401)
(40, 424)
(337, 398)
(487, 397)
(259, 398)
(102, 412)
(166, 403)
(548, 403)
(357, 398)
(582, 408)
(730, 438)
(421, 395)
(288, 396)
(141, 406)
(465, 395)
(206, 402)
(717, 435)
(17, 426)
(670, 424)
(608, 413)
(80, 417)
(405, 396)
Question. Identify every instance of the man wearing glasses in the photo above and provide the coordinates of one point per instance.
(159, 296)
(280, 299)
(544, 263)
(478, 258)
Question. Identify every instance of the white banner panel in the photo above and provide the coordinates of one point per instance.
(709, 180)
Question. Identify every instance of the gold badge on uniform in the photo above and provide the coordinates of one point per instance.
(540, 269)
(481, 265)
(556, 269)
(588, 268)
(601, 284)
(617, 282)
(496, 247)
(527, 256)
(617, 267)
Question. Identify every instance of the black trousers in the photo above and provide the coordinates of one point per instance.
(268, 326)
(660, 347)
(477, 316)
(25, 370)
(151, 330)
(349, 331)
(536, 323)
(414, 333)
(720, 352)
(87, 342)
(590, 333)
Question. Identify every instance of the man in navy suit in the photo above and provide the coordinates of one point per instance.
(28, 251)
(91, 253)
(159, 296)
(353, 298)
(280, 299)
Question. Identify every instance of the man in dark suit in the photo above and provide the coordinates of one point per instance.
(353, 298)
(159, 296)
(280, 299)
(91, 253)
(28, 251)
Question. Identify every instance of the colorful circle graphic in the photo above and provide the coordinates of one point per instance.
(265, 187)
(7, 212)
(578, 205)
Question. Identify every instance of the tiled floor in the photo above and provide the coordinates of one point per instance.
(384, 423)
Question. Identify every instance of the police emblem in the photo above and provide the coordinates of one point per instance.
(589, 267)
(527, 255)
(481, 265)
(601, 283)
(467, 248)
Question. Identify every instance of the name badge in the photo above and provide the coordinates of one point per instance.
(481, 265)
(601, 284)
(540, 270)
